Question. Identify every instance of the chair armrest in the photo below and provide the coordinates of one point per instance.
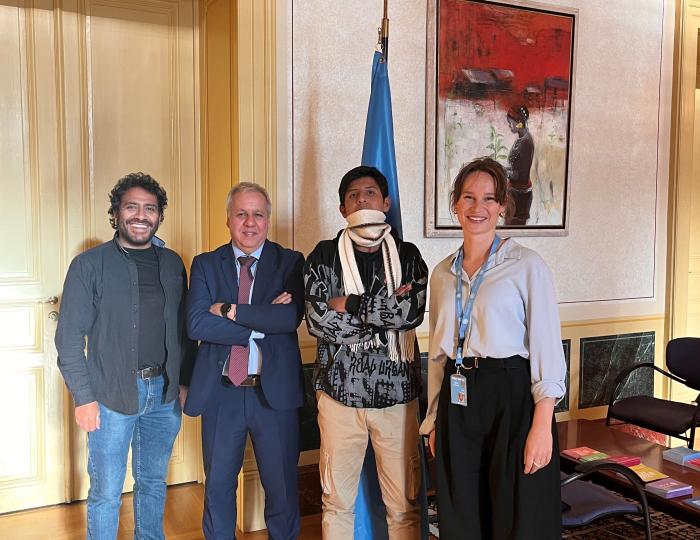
(590, 467)
(628, 370)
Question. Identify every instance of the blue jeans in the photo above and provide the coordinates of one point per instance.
(151, 433)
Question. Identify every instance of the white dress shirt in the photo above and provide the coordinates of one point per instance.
(515, 313)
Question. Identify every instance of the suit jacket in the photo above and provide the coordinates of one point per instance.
(213, 278)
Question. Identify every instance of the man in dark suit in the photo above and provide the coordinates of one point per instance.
(245, 303)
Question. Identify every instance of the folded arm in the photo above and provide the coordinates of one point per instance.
(404, 309)
(284, 314)
(322, 319)
(201, 323)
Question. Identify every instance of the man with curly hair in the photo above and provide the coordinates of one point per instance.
(127, 297)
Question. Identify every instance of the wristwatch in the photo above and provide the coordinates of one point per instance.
(225, 308)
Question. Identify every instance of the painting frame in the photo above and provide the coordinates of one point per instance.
(436, 202)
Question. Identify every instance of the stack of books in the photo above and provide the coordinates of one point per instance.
(668, 488)
(681, 455)
(655, 481)
(584, 454)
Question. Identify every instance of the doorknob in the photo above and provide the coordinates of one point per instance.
(53, 300)
(53, 315)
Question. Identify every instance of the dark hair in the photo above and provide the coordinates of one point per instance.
(489, 166)
(361, 172)
(518, 113)
(140, 180)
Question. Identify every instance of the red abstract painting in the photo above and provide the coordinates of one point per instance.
(503, 88)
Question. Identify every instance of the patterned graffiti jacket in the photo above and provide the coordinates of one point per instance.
(367, 378)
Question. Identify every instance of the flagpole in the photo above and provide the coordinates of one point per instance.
(384, 32)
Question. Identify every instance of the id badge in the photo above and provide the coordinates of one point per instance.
(458, 389)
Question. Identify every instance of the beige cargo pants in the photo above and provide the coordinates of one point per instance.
(393, 432)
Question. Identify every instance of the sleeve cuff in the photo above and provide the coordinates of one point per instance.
(83, 398)
(548, 389)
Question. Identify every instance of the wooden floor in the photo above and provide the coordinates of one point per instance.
(183, 519)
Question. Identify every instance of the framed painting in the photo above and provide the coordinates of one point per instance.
(500, 83)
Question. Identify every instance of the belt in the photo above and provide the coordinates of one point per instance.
(512, 362)
(149, 372)
(250, 380)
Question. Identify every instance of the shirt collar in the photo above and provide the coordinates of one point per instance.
(509, 249)
(238, 253)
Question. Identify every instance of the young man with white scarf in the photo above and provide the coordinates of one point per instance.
(365, 295)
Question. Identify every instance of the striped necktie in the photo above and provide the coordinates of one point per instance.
(238, 357)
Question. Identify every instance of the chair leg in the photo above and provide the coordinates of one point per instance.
(647, 525)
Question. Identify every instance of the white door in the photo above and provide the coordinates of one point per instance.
(32, 423)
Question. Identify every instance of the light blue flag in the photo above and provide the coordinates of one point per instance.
(378, 151)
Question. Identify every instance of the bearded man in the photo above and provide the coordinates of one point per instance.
(127, 297)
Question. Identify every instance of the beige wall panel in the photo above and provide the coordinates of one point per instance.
(220, 154)
(693, 249)
(619, 162)
(132, 97)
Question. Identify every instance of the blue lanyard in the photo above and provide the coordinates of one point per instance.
(464, 317)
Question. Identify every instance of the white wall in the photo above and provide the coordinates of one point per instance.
(612, 263)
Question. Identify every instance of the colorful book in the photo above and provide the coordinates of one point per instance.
(627, 461)
(668, 488)
(593, 457)
(681, 454)
(647, 474)
(693, 464)
(578, 453)
(695, 503)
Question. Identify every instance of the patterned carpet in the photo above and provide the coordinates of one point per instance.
(663, 527)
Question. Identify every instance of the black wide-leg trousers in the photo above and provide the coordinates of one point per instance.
(482, 491)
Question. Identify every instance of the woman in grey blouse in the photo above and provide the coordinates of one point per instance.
(490, 422)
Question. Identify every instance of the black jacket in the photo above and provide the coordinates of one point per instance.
(101, 303)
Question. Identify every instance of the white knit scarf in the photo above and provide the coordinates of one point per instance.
(368, 228)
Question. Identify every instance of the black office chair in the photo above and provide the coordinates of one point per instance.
(584, 502)
(668, 417)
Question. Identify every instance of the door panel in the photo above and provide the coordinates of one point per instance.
(31, 399)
